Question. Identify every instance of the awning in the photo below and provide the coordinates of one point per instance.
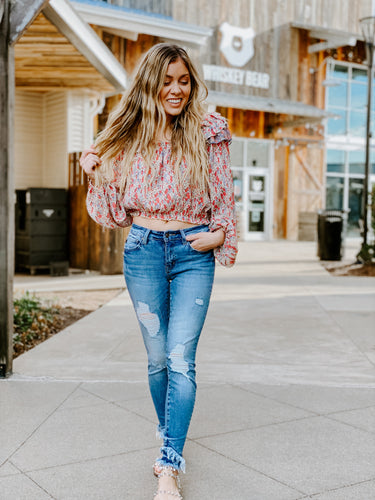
(270, 105)
(128, 23)
(332, 38)
(60, 50)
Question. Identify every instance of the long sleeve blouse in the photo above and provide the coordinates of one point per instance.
(165, 199)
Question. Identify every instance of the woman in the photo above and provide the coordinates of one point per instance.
(162, 166)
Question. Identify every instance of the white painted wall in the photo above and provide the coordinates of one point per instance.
(55, 164)
(79, 120)
(28, 139)
(47, 128)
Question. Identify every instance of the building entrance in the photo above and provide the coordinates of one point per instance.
(252, 166)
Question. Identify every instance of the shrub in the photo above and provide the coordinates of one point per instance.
(32, 321)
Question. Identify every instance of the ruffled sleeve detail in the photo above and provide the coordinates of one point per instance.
(105, 203)
(215, 128)
(223, 214)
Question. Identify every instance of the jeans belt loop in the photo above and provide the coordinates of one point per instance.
(182, 232)
(145, 236)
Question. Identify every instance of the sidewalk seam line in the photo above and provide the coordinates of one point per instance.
(313, 413)
(251, 468)
(318, 414)
(38, 426)
(312, 495)
(350, 425)
(257, 427)
(93, 459)
(343, 332)
(41, 487)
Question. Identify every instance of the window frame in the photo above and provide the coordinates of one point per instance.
(348, 142)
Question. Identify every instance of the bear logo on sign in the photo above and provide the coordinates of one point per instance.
(237, 44)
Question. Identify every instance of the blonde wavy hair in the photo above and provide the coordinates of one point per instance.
(133, 124)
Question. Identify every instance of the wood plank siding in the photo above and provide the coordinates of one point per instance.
(46, 60)
(295, 75)
(269, 14)
(299, 151)
(91, 246)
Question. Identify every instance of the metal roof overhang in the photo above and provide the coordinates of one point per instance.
(128, 23)
(86, 41)
(268, 104)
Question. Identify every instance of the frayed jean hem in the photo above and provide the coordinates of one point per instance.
(170, 458)
(160, 433)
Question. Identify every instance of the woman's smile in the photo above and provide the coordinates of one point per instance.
(176, 90)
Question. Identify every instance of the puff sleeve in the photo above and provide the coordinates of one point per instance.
(218, 138)
(105, 203)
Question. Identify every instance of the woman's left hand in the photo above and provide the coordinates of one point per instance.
(202, 242)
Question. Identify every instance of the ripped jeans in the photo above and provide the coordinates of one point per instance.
(170, 286)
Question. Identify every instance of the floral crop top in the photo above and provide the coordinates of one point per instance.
(164, 199)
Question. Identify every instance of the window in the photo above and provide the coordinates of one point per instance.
(346, 137)
(355, 204)
(344, 186)
(348, 101)
(335, 193)
(257, 156)
(335, 160)
(357, 162)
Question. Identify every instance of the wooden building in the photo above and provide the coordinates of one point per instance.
(268, 68)
(57, 75)
(54, 71)
(68, 76)
(63, 70)
(290, 76)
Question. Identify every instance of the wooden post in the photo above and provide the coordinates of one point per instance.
(6, 194)
(15, 17)
(286, 192)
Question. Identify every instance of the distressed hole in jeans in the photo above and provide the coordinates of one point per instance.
(148, 319)
(199, 301)
(178, 363)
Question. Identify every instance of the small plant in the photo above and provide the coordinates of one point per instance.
(32, 321)
(366, 254)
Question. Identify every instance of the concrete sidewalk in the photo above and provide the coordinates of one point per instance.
(285, 407)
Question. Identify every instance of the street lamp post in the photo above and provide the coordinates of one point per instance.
(368, 31)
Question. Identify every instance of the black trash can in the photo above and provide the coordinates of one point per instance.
(41, 228)
(330, 234)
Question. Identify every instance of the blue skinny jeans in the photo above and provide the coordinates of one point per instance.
(170, 286)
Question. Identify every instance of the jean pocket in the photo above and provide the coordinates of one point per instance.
(133, 242)
(195, 250)
(190, 244)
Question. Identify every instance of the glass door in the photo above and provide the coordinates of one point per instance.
(252, 162)
(257, 190)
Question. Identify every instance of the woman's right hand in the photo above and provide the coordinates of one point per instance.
(89, 160)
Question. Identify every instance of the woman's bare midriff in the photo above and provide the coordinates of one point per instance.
(161, 225)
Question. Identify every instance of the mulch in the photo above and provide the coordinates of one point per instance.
(64, 312)
(353, 269)
(62, 319)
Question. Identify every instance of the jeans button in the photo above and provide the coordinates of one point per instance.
(166, 235)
